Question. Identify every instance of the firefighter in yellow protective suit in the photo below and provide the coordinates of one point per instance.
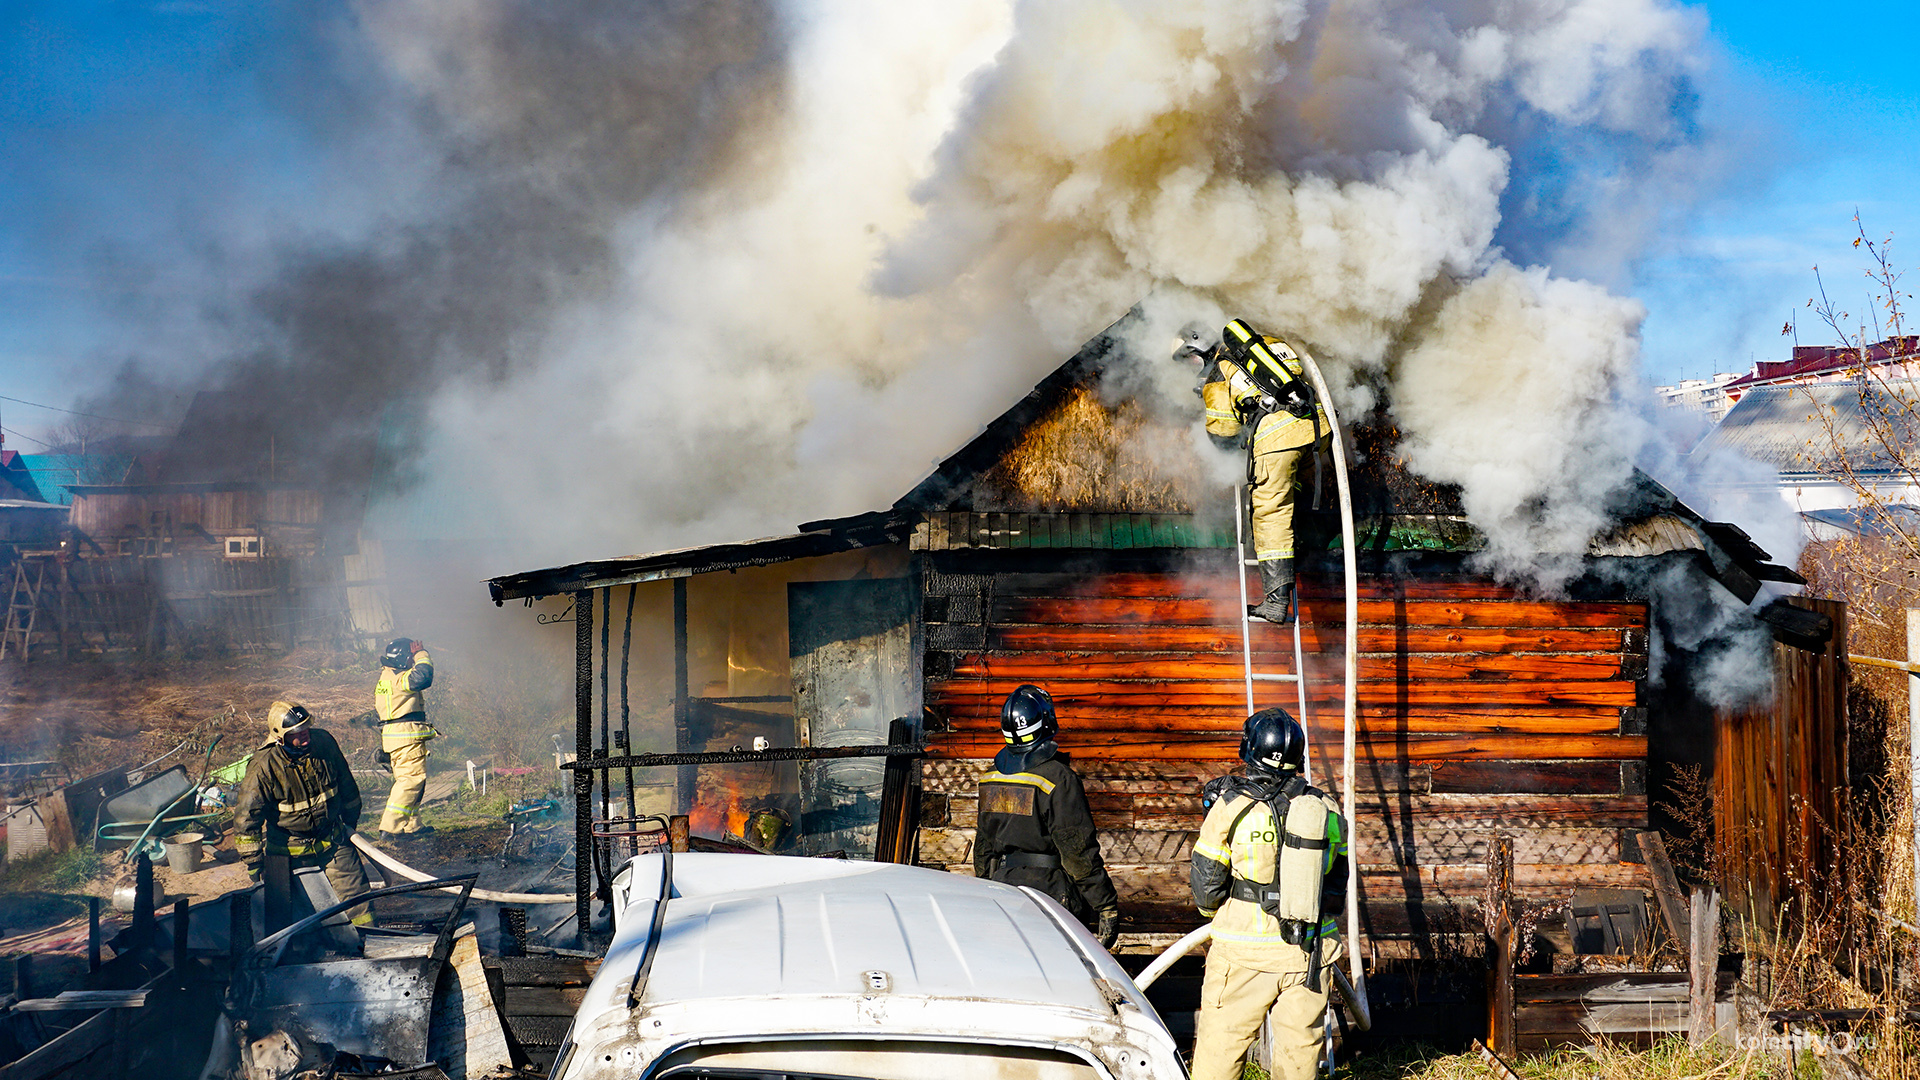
(400, 706)
(1252, 383)
(1270, 869)
(299, 799)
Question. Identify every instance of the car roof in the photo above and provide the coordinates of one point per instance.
(759, 925)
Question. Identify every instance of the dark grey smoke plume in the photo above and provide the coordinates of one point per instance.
(545, 126)
(678, 272)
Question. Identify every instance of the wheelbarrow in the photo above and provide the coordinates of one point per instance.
(136, 815)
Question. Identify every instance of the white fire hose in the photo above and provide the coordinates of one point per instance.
(411, 874)
(1356, 1003)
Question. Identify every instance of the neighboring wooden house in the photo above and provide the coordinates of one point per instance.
(1073, 544)
(225, 535)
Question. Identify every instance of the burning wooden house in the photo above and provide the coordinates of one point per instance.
(1054, 549)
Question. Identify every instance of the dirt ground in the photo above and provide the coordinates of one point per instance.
(92, 714)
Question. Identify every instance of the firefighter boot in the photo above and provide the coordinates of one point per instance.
(1276, 580)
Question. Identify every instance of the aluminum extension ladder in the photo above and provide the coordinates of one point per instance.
(1343, 490)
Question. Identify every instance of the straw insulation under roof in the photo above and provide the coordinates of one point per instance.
(1087, 455)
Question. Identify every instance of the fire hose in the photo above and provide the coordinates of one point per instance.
(489, 895)
(1356, 1002)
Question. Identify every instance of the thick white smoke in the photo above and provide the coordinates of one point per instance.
(867, 228)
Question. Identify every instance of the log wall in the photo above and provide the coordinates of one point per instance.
(1481, 713)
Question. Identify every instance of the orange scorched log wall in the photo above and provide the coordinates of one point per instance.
(1480, 713)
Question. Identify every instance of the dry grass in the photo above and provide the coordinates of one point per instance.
(95, 713)
(1087, 455)
(1671, 1059)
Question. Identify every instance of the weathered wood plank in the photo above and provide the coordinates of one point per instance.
(1508, 811)
(1371, 726)
(1604, 1019)
(1666, 887)
(1056, 666)
(1384, 716)
(953, 843)
(1517, 777)
(1220, 583)
(1468, 881)
(1317, 638)
(1230, 695)
(1372, 813)
(1433, 748)
(1224, 611)
(960, 774)
(1136, 846)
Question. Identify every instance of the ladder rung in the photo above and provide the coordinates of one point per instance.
(1258, 677)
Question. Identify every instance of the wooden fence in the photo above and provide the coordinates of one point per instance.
(1780, 782)
(113, 603)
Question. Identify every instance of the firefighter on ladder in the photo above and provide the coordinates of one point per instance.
(400, 707)
(1270, 869)
(299, 799)
(1252, 383)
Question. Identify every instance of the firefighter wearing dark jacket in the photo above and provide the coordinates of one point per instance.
(400, 705)
(1034, 826)
(1270, 869)
(1287, 433)
(300, 800)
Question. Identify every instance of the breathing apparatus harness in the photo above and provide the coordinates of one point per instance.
(1297, 893)
(1280, 389)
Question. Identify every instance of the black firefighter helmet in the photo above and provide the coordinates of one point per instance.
(1273, 742)
(1027, 717)
(399, 654)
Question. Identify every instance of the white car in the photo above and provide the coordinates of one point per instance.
(801, 968)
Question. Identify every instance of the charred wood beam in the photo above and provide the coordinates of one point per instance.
(682, 702)
(742, 757)
(603, 853)
(583, 751)
(626, 709)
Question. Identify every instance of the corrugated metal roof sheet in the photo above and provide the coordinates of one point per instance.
(1811, 429)
(1896, 520)
(53, 474)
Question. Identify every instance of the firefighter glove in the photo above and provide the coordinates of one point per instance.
(253, 870)
(1109, 928)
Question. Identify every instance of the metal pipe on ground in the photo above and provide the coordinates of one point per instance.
(489, 895)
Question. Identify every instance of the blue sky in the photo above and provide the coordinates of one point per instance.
(126, 127)
(1836, 84)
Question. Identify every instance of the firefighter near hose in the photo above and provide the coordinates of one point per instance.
(1270, 869)
(399, 705)
(1256, 396)
(1034, 826)
(299, 800)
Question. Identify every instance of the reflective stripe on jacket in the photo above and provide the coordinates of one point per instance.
(1230, 393)
(295, 805)
(1247, 933)
(1039, 808)
(397, 694)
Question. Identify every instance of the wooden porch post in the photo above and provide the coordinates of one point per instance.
(689, 776)
(583, 754)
